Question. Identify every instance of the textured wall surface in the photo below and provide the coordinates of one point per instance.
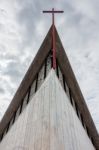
(49, 122)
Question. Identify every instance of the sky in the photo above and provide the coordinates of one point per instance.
(23, 28)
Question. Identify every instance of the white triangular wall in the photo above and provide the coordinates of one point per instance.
(49, 122)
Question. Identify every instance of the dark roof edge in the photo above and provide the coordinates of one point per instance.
(77, 94)
(27, 80)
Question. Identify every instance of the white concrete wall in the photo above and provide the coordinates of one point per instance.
(47, 123)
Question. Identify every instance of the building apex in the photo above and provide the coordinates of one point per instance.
(53, 34)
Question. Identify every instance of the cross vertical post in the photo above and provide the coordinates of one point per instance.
(54, 44)
(53, 35)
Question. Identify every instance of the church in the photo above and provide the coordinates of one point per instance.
(48, 111)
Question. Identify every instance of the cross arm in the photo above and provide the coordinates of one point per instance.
(52, 11)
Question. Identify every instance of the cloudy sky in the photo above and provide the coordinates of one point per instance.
(22, 30)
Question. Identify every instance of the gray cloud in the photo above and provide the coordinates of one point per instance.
(2, 90)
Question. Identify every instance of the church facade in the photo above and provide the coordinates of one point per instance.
(48, 110)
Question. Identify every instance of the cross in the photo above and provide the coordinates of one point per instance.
(53, 34)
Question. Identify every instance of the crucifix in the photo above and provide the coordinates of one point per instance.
(53, 34)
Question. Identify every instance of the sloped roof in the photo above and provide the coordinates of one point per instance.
(69, 76)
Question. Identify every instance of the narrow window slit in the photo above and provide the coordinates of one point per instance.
(57, 69)
(21, 106)
(36, 83)
(70, 96)
(1, 137)
(7, 127)
(51, 57)
(48, 63)
(64, 83)
(79, 115)
(76, 107)
(45, 68)
(85, 126)
(14, 117)
(32, 88)
(5, 132)
(28, 98)
(87, 132)
(82, 120)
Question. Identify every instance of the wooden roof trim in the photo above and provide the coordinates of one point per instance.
(77, 94)
(27, 80)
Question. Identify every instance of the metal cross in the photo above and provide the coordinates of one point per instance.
(53, 34)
